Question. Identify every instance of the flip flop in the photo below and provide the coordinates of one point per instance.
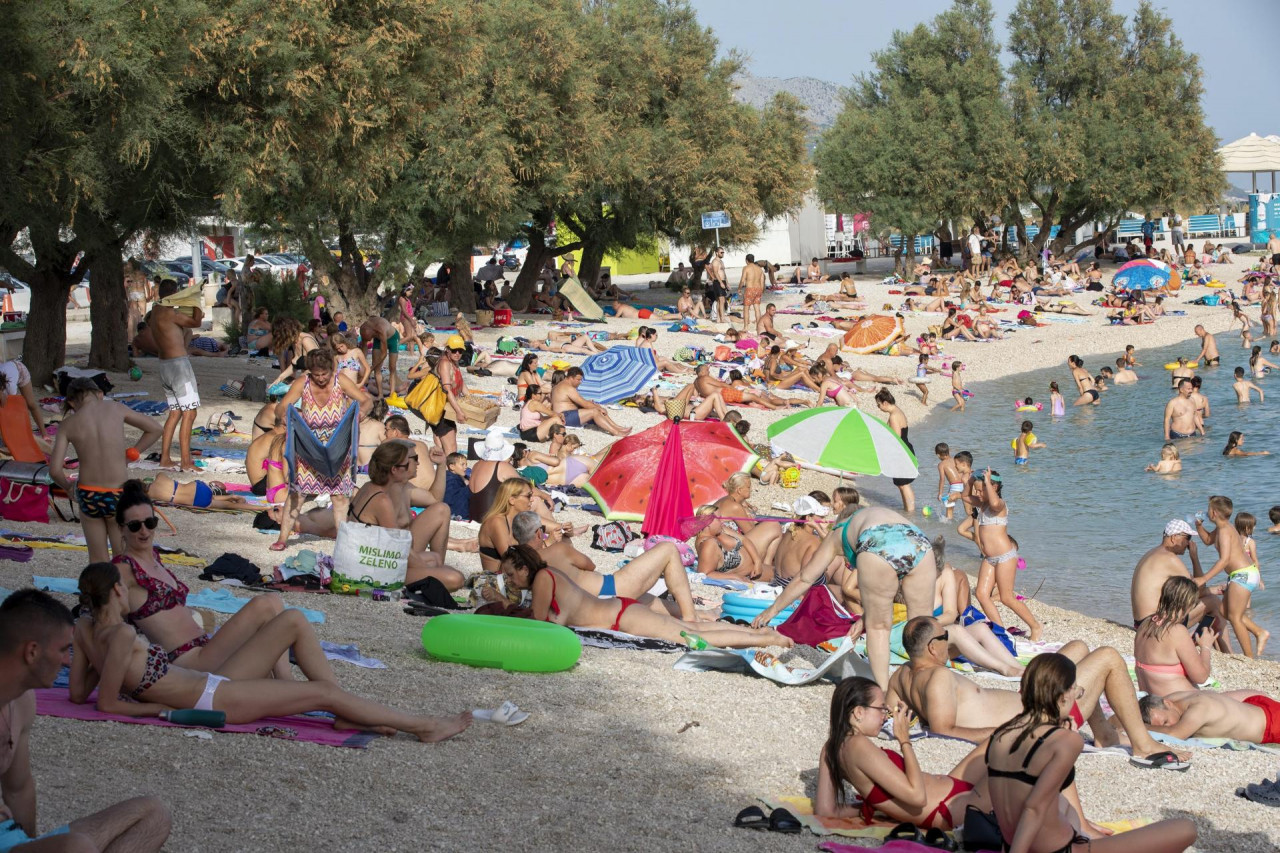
(938, 839)
(905, 832)
(508, 715)
(785, 822)
(1160, 761)
(752, 817)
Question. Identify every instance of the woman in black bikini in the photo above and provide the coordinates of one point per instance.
(1031, 770)
(514, 497)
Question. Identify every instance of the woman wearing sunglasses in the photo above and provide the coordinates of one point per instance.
(113, 657)
(158, 600)
(890, 783)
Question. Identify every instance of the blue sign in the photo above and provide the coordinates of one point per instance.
(1264, 216)
(715, 219)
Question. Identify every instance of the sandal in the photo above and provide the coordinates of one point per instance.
(785, 822)
(905, 832)
(1161, 761)
(940, 840)
(752, 817)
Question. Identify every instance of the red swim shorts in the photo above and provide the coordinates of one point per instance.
(1270, 707)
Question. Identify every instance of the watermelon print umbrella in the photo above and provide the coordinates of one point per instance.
(871, 334)
(1142, 274)
(617, 373)
(625, 482)
(846, 440)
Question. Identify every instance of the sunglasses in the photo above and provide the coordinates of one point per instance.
(135, 526)
(943, 636)
(407, 460)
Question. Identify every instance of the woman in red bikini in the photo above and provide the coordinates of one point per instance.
(558, 599)
(890, 783)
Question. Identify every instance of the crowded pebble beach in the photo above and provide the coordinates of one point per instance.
(621, 751)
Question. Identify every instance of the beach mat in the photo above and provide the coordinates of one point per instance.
(56, 702)
(571, 289)
(849, 827)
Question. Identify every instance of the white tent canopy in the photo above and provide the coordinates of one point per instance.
(1252, 154)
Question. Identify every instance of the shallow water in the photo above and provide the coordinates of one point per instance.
(1084, 511)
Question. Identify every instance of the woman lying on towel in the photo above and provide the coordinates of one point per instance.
(111, 656)
(890, 783)
(158, 600)
(558, 599)
(197, 493)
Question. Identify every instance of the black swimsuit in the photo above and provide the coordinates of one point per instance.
(1026, 778)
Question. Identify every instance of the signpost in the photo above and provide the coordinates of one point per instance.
(715, 219)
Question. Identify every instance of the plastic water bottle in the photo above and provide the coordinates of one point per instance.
(192, 717)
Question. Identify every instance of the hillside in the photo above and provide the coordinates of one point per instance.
(821, 97)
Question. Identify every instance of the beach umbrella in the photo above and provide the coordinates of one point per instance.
(617, 373)
(845, 440)
(627, 477)
(1142, 274)
(669, 500)
(871, 333)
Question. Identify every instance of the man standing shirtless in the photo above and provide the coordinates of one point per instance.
(950, 704)
(386, 347)
(1208, 348)
(1180, 414)
(751, 288)
(35, 643)
(171, 329)
(718, 286)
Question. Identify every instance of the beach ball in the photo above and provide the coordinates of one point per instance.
(926, 511)
(135, 373)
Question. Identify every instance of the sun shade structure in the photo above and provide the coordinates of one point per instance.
(871, 333)
(844, 440)
(669, 500)
(627, 478)
(1252, 154)
(617, 374)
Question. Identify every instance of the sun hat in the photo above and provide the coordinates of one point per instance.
(805, 505)
(495, 448)
(927, 261)
(455, 342)
(1177, 527)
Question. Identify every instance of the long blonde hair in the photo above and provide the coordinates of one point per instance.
(1178, 597)
(507, 490)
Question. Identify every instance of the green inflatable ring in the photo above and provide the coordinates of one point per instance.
(501, 642)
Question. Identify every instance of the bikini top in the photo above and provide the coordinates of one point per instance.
(160, 596)
(354, 514)
(878, 795)
(555, 608)
(985, 520)
(157, 667)
(1022, 775)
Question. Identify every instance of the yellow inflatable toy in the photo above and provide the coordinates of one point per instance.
(1031, 439)
(1173, 365)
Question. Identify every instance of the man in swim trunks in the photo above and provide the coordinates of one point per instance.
(751, 288)
(1208, 348)
(35, 643)
(1245, 715)
(1180, 414)
(171, 327)
(718, 286)
(577, 411)
(1158, 565)
(386, 347)
(949, 704)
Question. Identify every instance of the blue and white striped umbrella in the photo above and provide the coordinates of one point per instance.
(617, 373)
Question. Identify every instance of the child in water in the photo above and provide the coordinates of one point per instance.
(1274, 515)
(1129, 359)
(950, 482)
(958, 391)
(1241, 585)
(1024, 444)
(1234, 442)
(1058, 404)
(1243, 386)
(1170, 460)
(922, 374)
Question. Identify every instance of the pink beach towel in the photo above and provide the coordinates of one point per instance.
(56, 702)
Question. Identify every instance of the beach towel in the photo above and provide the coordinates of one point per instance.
(222, 601)
(1215, 743)
(56, 702)
(331, 459)
(849, 827)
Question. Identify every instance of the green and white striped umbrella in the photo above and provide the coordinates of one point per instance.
(845, 440)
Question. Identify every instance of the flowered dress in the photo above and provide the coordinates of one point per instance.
(323, 420)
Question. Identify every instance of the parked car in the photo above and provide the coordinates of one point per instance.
(18, 290)
(207, 267)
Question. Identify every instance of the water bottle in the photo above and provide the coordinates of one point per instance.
(193, 717)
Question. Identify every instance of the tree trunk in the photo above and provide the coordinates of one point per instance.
(461, 285)
(592, 259)
(108, 311)
(347, 286)
(45, 347)
(527, 279)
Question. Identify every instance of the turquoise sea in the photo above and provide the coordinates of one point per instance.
(1083, 510)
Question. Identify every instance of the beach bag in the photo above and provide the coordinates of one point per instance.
(23, 501)
(981, 832)
(370, 557)
(688, 557)
(427, 399)
(612, 536)
(254, 388)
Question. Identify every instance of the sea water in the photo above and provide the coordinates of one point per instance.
(1084, 510)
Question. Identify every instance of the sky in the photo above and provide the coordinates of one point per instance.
(833, 40)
